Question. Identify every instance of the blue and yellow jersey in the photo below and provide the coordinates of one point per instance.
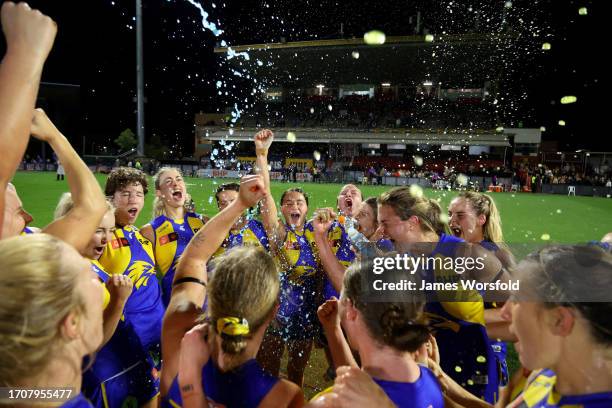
(500, 350)
(103, 275)
(171, 239)
(304, 286)
(244, 386)
(540, 393)
(252, 234)
(459, 327)
(131, 254)
(301, 285)
(122, 371)
(424, 392)
(341, 247)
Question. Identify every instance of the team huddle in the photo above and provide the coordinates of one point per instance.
(193, 310)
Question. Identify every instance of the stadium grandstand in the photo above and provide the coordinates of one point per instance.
(389, 113)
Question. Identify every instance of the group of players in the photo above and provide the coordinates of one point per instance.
(197, 311)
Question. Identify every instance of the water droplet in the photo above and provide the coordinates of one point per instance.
(317, 155)
(416, 190)
(568, 99)
(561, 123)
(291, 137)
(429, 38)
(583, 11)
(458, 369)
(462, 180)
(374, 37)
(481, 359)
(545, 237)
(355, 54)
(546, 46)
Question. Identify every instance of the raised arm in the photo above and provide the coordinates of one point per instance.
(338, 346)
(189, 293)
(322, 220)
(274, 229)
(80, 223)
(29, 37)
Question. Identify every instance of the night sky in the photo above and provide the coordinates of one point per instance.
(95, 49)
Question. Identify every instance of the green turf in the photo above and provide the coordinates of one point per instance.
(526, 217)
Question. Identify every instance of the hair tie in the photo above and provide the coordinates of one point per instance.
(232, 326)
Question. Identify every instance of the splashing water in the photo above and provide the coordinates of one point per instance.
(236, 113)
(205, 23)
(231, 54)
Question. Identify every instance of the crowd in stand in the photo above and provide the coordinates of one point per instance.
(412, 110)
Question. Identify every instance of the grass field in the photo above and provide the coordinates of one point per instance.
(526, 218)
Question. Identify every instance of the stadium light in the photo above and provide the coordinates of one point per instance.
(320, 86)
(427, 83)
(386, 84)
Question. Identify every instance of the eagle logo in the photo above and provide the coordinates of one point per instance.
(140, 272)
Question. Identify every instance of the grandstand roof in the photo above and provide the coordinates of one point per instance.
(314, 135)
(454, 60)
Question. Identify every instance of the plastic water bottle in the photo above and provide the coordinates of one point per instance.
(358, 240)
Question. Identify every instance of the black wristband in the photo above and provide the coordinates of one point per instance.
(188, 279)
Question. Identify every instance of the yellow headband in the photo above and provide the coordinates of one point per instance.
(232, 326)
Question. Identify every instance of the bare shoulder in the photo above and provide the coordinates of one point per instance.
(283, 394)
